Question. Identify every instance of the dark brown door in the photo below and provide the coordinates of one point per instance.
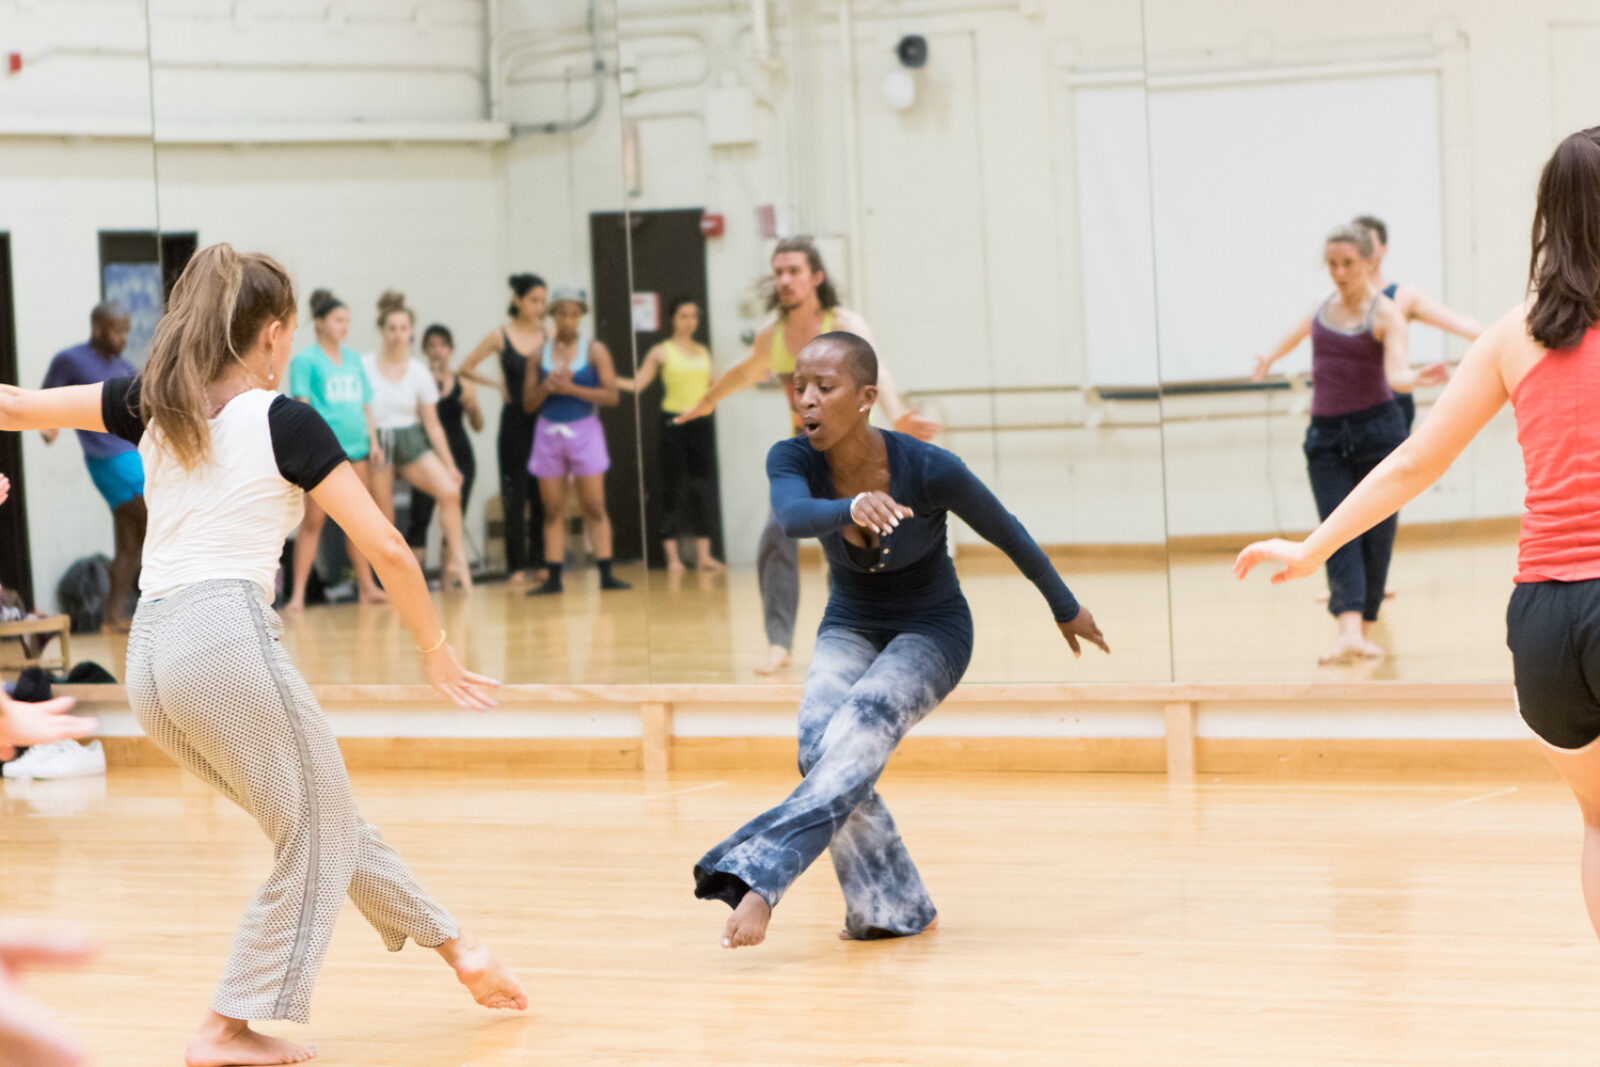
(16, 563)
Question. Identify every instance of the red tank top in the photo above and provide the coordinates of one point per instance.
(1557, 404)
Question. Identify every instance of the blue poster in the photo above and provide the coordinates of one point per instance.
(137, 287)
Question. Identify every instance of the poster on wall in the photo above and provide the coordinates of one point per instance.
(137, 287)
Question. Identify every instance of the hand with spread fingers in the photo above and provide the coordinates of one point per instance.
(1298, 563)
(44, 723)
(1083, 627)
(447, 675)
(877, 512)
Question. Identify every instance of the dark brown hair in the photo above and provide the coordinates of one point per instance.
(218, 307)
(391, 301)
(827, 296)
(1375, 224)
(1564, 270)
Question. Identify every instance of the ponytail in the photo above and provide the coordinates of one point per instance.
(218, 307)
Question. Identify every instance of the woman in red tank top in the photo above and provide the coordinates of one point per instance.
(1544, 357)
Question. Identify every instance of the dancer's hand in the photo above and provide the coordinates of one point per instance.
(1432, 374)
(1297, 562)
(28, 1031)
(917, 426)
(447, 675)
(453, 472)
(877, 512)
(1263, 368)
(375, 455)
(5, 488)
(44, 723)
(699, 411)
(1085, 627)
(559, 381)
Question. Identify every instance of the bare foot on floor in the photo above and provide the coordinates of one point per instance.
(711, 566)
(846, 935)
(777, 659)
(373, 595)
(1347, 649)
(747, 925)
(225, 1042)
(484, 976)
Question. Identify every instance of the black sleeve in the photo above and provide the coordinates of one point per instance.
(302, 443)
(119, 409)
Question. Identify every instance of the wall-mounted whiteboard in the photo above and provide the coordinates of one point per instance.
(1246, 182)
(1239, 184)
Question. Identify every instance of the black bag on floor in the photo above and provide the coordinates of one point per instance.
(84, 592)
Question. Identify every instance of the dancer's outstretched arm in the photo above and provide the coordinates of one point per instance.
(752, 370)
(1472, 398)
(1420, 307)
(961, 491)
(1289, 343)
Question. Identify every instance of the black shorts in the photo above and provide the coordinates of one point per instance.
(1553, 631)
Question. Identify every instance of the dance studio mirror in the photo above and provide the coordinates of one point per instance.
(944, 160)
(1271, 128)
(436, 150)
(77, 229)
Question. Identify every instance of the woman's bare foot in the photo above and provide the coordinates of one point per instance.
(456, 575)
(1372, 650)
(1347, 649)
(708, 565)
(846, 935)
(295, 606)
(675, 562)
(225, 1042)
(518, 577)
(777, 659)
(372, 594)
(747, 925)
(484, 976)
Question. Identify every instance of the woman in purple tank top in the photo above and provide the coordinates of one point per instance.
(1359, 347)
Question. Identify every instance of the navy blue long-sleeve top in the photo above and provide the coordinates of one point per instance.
(907, 584)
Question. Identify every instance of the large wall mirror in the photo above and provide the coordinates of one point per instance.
(78, 229)
(949, 169)
(1272, 128)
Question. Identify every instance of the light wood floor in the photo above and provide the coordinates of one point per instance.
(1445, 623)
(1093, 920)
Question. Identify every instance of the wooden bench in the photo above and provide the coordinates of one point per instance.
(51, 626)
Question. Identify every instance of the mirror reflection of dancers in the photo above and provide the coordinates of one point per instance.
(516, 344)
(1414, 304)
(688, 456)
(1543, 357)
(227, 462)
(807, 305)
(328, 376)
(894, 640)
(113, 465)
(574, 378)
(458, 408)
(1359, 361)
(405, 409)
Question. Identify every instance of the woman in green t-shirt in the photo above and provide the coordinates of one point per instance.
(328, 376)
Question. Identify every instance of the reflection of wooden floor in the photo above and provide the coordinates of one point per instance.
(1444, 624)
(1085, 919)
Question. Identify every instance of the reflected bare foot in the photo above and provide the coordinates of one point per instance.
(225, 1042)
(707, 565)
(777, 659)
(846, 935)
(1347, 649)
(674, 564)
(518, 577)
(747, 925)
(371, 594)
(296, 606)
(484, 976)
(1372, 650)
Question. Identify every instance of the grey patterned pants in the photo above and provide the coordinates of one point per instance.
(862, 695)
(211, 684)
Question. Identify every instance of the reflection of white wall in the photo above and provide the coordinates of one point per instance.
(1248, 179)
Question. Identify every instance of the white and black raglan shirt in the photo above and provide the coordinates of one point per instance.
(229, 516)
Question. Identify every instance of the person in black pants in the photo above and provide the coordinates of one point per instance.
(519, 490)
(457, 407)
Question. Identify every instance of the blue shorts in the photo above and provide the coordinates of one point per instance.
(119, 479)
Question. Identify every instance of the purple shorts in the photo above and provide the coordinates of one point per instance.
(575, 448)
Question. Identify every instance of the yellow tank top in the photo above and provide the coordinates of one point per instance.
(686, 378)
(782, 358)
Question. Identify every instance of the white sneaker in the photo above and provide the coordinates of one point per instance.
(64, 759)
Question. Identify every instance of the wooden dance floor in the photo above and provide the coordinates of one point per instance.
(1086, 920)
(1445, 623)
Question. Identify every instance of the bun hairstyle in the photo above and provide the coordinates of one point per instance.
(1352, 233)
(522, 285)
(323, 303)
(1564, 270)
(219, 306)
(390, 302)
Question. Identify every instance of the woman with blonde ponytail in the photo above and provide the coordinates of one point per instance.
(228, 462)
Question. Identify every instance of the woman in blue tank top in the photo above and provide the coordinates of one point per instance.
(574, 378)
(1359, 361)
